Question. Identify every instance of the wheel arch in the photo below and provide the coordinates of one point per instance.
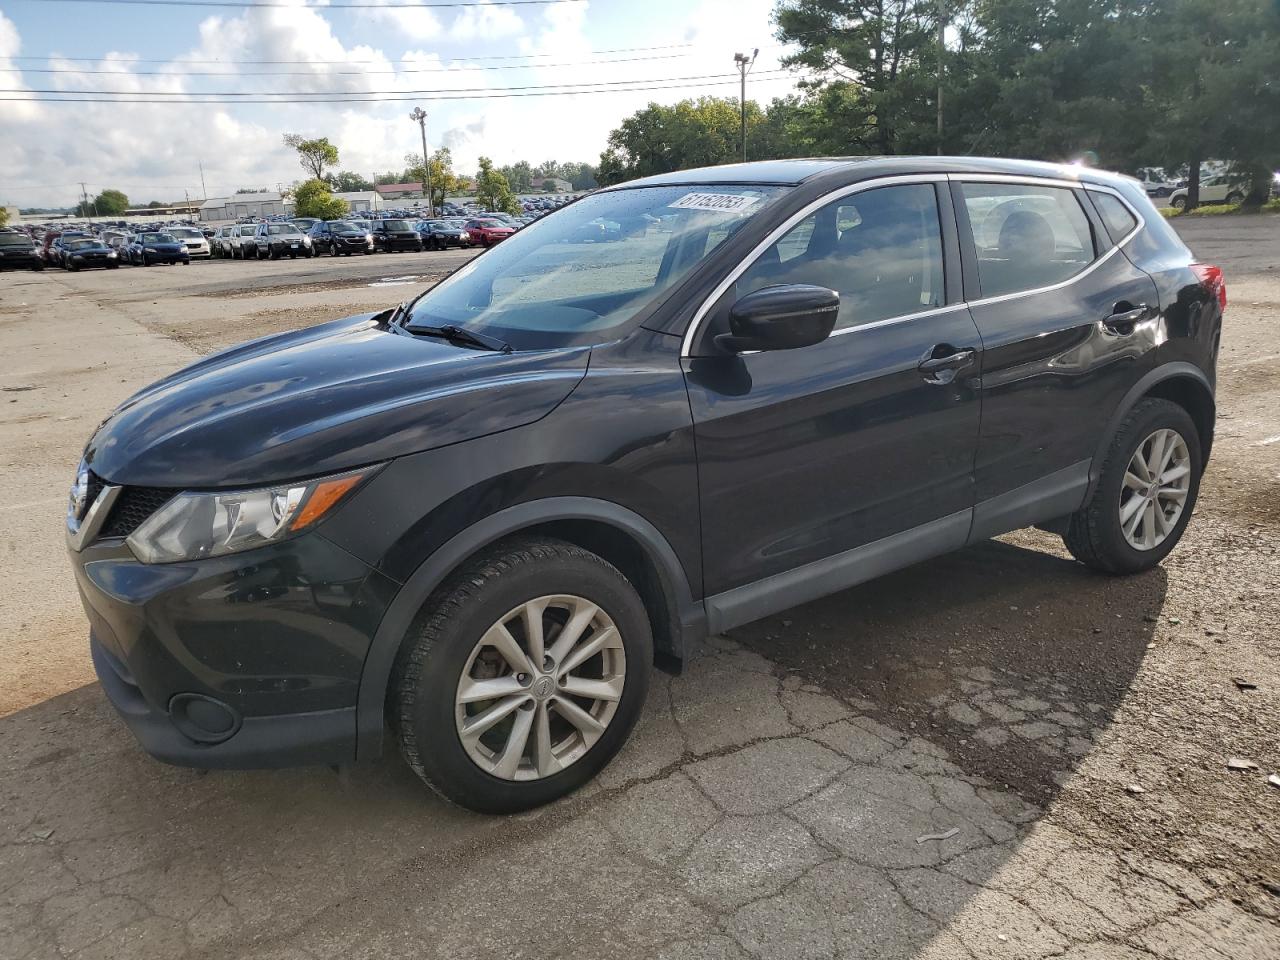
(622, 537)
(1182, 383)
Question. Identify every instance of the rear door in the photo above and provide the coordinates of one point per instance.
(805, 455)
(1068, 325)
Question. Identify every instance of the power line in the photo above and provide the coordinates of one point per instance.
(505, 56)
(331, 73)
(391, 99)
(336, 4)
(163, 95)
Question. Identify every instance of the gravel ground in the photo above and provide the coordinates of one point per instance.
(794, 794)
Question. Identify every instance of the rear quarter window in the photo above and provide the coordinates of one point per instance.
(1116, 217)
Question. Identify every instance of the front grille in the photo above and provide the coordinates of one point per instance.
(133, 506)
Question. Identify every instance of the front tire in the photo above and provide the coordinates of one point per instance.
(522, 676)
(1145, 493)
(1235, 197)
(1178, 203)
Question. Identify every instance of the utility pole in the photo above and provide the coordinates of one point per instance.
(421, 117)
(744, 64)
(204, 191)
(84, 194)
(942, 50)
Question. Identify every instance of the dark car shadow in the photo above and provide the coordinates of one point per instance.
(1010, 656)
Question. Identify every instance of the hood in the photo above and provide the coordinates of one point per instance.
(320, 400)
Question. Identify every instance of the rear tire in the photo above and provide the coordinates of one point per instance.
(447, 648)
(1096, 535)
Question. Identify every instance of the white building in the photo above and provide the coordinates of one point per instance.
(362, 200)
(221, 209)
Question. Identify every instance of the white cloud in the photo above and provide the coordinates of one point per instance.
(414, 24)
(485, 21)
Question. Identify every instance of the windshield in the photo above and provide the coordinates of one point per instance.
(563, 280)
(339, 227)
(284, 229)
(82, 244)
(157, 238)
(192, 234)
(14, 240)
(396, 224)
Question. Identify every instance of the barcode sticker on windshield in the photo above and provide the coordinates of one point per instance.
(721, 202)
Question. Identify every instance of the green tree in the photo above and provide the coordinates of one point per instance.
(314, 198)
(1215, 88)
(444, 182)
(4, 216)
(520, 176)
(492, 190)
(345, 181)
(691, 133)
(111, 203)
(314, 155)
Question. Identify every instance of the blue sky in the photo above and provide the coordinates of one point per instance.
(153, 151)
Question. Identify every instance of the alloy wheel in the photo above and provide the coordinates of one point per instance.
(540, 687)
(1156, 485)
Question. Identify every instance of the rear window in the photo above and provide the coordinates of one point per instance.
(1027, 237)
(1117, 218)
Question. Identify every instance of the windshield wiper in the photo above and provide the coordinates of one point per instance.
(458, 334)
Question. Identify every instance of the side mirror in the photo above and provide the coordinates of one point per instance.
(781, 317)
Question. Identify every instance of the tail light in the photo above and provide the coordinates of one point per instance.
(1211, 279)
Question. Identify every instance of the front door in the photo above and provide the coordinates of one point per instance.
(807, 455)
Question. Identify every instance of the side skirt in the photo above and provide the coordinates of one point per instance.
(1049, 498)
(831, 574)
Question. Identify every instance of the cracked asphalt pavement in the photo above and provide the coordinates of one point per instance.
(996, 754)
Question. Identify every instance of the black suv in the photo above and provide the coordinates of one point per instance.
(338, 236)
(393, 236)
(480, 517)
(18, 252)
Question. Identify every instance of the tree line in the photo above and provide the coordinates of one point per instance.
(495, 187)
(1118, 83)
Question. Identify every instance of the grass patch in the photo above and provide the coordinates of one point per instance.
(1221, 210)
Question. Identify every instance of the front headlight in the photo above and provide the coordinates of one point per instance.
(464, 235)
(150, 250)
(110, 254)
(196, 525)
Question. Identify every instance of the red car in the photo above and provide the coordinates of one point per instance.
(488, 232)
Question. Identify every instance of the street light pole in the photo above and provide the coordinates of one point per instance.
(942, 49)
(744, 64)
(420, 116)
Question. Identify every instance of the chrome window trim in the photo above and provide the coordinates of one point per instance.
(779, 231)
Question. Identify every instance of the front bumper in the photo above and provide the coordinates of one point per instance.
(251, 660)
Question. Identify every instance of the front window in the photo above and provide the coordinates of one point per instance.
(158, 238)
(284, 230)
(880, 249)
(395, 224)
(14, 240)
(188, 234)
(563, 280)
